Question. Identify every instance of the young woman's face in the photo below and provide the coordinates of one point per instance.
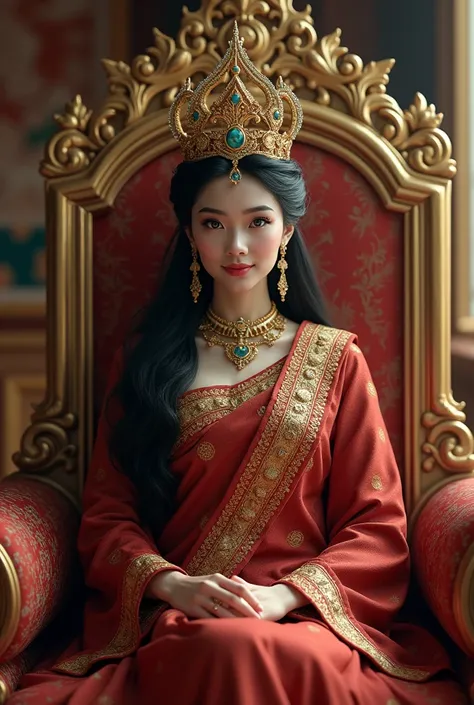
(238, 225)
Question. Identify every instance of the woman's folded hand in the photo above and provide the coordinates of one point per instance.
(205, 596)
(276, 600)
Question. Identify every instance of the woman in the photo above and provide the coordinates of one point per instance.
(244, 534)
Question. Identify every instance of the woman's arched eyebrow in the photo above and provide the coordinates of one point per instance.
(216, 211)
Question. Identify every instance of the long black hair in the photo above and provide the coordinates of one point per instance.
(160, 358)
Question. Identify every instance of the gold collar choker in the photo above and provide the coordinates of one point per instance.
(248, 334)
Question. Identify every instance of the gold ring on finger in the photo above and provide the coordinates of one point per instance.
(217, 604)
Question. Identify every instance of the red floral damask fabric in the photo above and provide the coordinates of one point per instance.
(444, 532)
(355, 243)
(38, 528)
(129, 244)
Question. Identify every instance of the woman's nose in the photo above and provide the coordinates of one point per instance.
(237, 244)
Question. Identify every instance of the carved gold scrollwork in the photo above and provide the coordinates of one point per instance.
(450, 443)
(280, 41)
(153, 78)
(46, 443)
(426, 148)
(70, 150)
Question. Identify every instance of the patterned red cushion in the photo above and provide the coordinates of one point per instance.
(38, 528)
(10, 675)
(12, 671)
(444, 533)
(356, 245)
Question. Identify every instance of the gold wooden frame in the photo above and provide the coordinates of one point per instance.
(10, 609)
(403, 154)
(464, 240)
(16, 385)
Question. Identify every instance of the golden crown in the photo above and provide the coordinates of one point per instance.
(236, 124)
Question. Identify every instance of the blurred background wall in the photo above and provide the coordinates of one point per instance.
(50, 51)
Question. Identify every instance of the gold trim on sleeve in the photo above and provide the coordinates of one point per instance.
(288, 436)
(316, 583)
(127, 636)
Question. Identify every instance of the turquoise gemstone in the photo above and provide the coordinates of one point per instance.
(241, 351)
(277, 114)
(235, 98)
(235, 138)
(236, 69)
(236, 176)
(195, 116)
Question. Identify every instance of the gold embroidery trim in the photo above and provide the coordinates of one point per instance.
(322, 590)
(203, 407)
(287, 438)
(127, 636)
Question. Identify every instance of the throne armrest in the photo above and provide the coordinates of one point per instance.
(443, 556)
(12, 671)
(38, 528)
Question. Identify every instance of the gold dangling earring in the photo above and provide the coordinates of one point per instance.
(195, 267)
(283, 266)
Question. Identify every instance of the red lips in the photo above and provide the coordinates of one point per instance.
(238, 270)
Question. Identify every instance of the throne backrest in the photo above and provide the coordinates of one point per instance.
(378, 229)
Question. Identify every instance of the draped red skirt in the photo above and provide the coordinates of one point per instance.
(238, 662)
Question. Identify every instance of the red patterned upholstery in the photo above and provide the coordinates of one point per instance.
(443, 534)
(12, 671)
(356, 245)
(129, 244)
(38, 527)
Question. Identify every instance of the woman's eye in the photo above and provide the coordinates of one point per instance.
(260, 222)
(212, 224)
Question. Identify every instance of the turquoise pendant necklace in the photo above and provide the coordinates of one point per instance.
(241, 339)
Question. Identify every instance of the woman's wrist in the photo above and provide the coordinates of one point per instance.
(291, 597)
(161, 586)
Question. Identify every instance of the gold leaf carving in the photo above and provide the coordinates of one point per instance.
(46, 443)
(71, 149)
(280, 41)
(450, 443)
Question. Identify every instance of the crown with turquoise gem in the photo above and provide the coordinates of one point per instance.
(235, 124)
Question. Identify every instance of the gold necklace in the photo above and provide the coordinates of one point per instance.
(268, 329)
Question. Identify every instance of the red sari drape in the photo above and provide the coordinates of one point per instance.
(288, 476)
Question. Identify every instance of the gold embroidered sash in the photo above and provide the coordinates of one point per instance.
(201, 408)
(289, 433)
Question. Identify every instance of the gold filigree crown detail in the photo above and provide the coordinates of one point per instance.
(235, 124)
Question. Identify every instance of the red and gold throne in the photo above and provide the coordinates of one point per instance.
(378, 229)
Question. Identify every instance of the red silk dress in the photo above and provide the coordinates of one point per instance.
(285, 477)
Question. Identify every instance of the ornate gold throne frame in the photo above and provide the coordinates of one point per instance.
(403, 154)
(93, 155)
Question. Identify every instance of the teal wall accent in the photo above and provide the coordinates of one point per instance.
(22, 257)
